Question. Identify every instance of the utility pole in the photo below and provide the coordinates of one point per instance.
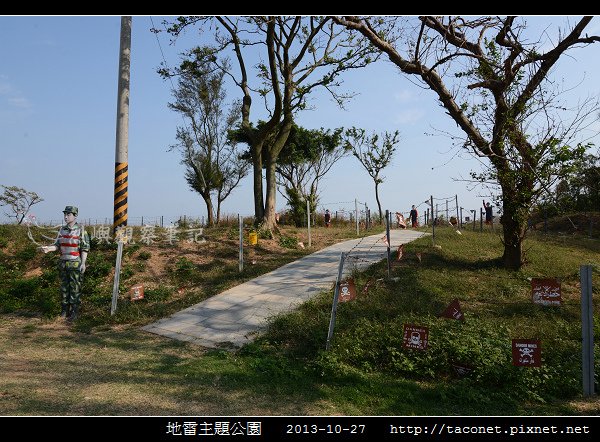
(121, 147)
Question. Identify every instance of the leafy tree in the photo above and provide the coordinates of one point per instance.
(305, 159)
(578, 189)
(19, 201)
(372, 154)
(213, 166)
(493, 82)
(300, 55)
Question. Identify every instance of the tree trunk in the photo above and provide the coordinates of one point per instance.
(269, 215)
(209, 210)
(377, 199)
(272, 154)
(259, 211)
(513, 231)
(218, 212)
(514, 224)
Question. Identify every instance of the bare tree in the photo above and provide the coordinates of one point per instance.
(493, 82)
(373, 155)
(19, 201)
(300, 55)
(213, 166)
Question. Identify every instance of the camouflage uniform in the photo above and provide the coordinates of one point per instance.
(71, 242)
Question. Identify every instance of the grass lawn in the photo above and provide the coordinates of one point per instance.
(105, 365)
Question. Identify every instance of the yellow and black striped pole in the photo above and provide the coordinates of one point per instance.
(121, 149)
(120, 205)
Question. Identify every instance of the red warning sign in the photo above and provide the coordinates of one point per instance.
(400, 252)
(347, 291)
(527, 352)
(453, 311)
(415, 337)
(136, 292)
(545, 291)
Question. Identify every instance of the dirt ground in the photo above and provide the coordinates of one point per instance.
(47, 369)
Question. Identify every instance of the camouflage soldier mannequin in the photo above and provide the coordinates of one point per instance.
(74, 245)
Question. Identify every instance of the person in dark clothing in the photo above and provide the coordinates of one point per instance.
(414, 217)
(488, 212)
(327, 218)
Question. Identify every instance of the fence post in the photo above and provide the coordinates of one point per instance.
(241, 258)
(587, 330)
(481, 220)
(458, 218)
(387, 235)
(356, 214)
(335, 301)
(433, 223)
(115, 294)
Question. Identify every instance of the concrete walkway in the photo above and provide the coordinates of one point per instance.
(234, 317)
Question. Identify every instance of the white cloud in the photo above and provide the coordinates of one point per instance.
(19, 102)
(409, 116)
(14, 98)
(5, 87)
(404, 95)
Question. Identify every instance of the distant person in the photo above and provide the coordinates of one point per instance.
(327, 218)
(414, 217)
(73, 242)
(489, 216)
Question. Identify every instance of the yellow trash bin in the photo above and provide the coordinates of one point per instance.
(253, 238)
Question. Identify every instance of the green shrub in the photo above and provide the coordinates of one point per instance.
(97, 266)
(184, 267)
(130, 249)
(23, 288)
(289, 242)
(127, 271)
(145, 255)
(157, 294)
(27, 253)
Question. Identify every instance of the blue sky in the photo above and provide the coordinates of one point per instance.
(58, 90)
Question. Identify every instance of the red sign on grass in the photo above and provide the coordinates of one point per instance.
(527, 352)
(415, 337)
(453, 311)
(347, 291)
(136, 292)
(545, 291)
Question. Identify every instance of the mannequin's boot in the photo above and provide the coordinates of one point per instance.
(64, 313)
(74, 312)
